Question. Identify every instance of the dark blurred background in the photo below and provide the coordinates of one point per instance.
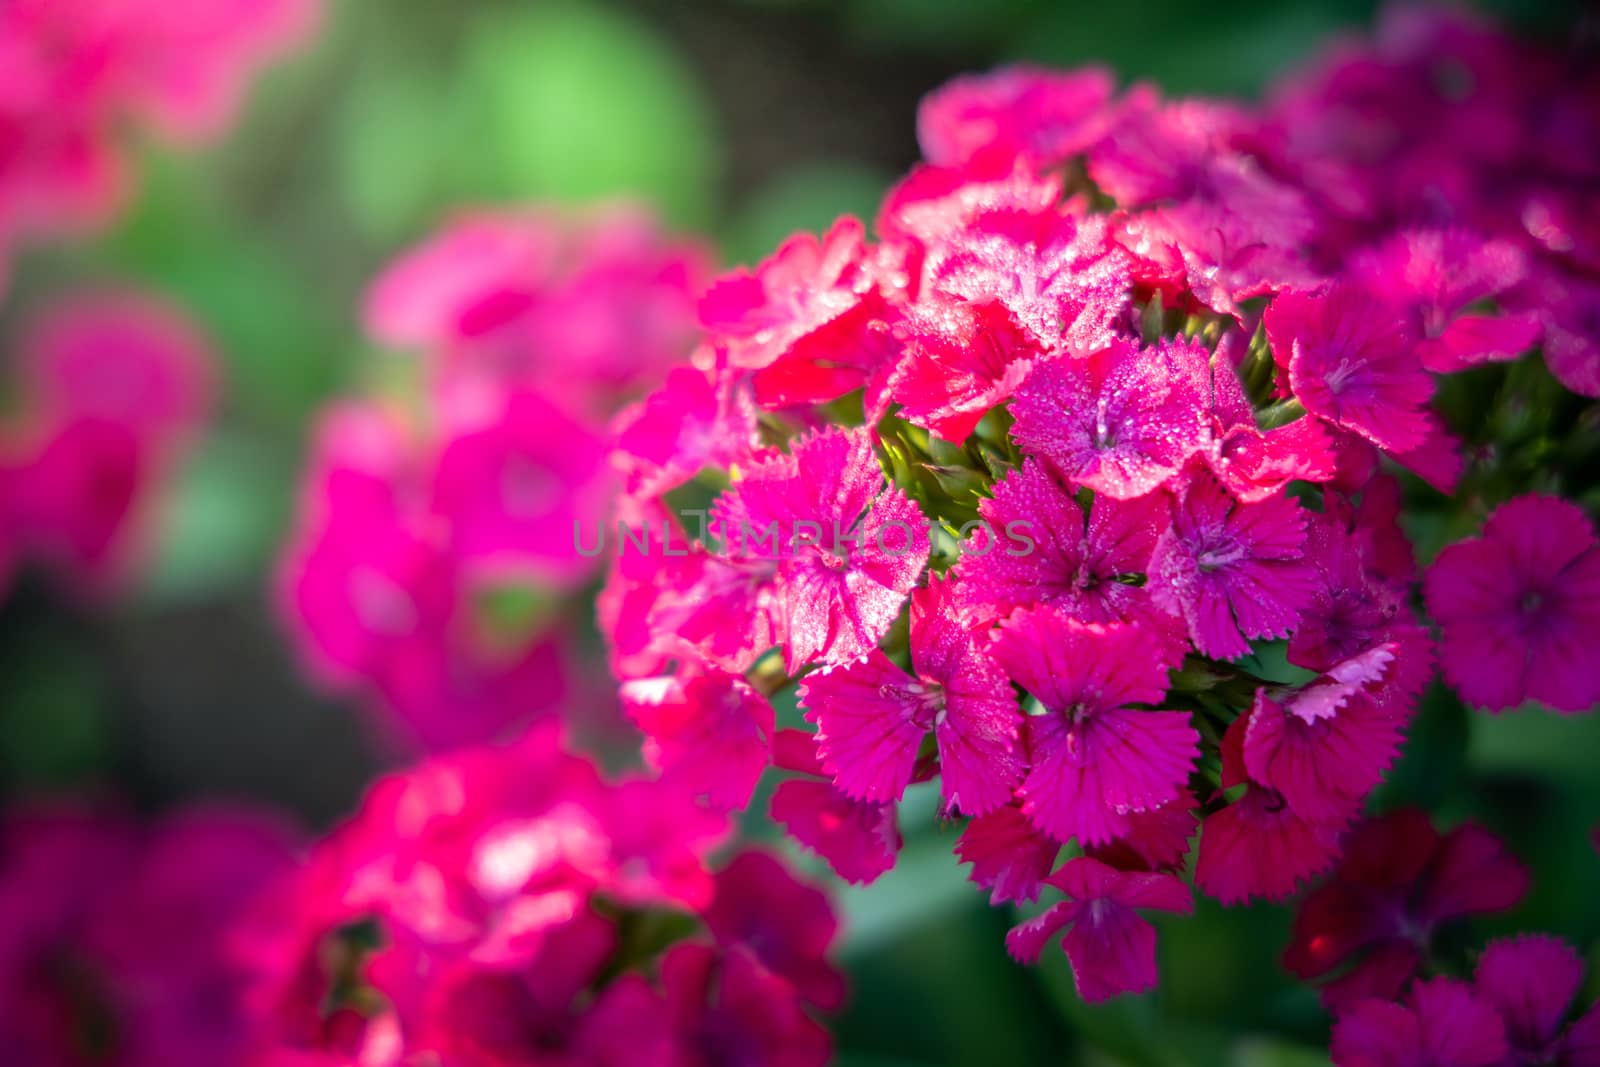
(743, 121)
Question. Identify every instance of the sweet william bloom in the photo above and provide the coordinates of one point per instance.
(787, 924)
(803, 317)
(122, 357)
(1568, 306)
(1352, 359)
(1398, 883)
(1441, 1023)
(1435, 276)
(1094, 759)
(512, 297)
(1040, 115)
(731, 1009)
(481, 875)
(958, 361)
(1186, 153)
(1518, 608)
(848, 550)
(698, 418)
(706, 729)
(1044, 549)
(1111, 947)
(72, 74)
(1201, 256)
(475, 277)
(1234, 571)
(859, 839)
(1253, 464)
(872, 716)
(515, 477)
(76, 498)
(1157, 840)
(1122, 421)
(1258, 846)
(1532, 981)
(1325, 746)
(1057, 272)
(934, 203)
(365, 571)
(1008, 855)
(113, 385)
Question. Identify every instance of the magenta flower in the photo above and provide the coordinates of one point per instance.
(114, 387)
(120, 357)
(1041, 548)
(515, 477)
(1436, 276)
(77, 497)
(802, 317)
(1532, 981)
(1041, 115)
(1352, 360)
(843, 550)
(1121, 421)
(1009, 857)
(1398, 883)
(859, 839)
(1157, 839)
(706, 729)
(931, 204)
(1569, 307)
(1059, 275)
(511, 298)
(731, 1009)
(872, 716)
(787, 924)
(697, 419)
(960, 360)
(1519, 608)
(1325, 746)
(73, 75)
(1094, 759)
(1200, 255)
(1441, 1023)
(1111, 947)
(470, 281)
(1234, 571)
(1186, 153)
(1258, 845)
(363, 575)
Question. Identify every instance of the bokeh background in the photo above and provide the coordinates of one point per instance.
(741, 121)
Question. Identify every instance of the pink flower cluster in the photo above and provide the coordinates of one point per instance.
(112, 388)
(507, 907)
(114, 946)
(1378, 921)
(423, 509)
(1183, 348)
(72, 73)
